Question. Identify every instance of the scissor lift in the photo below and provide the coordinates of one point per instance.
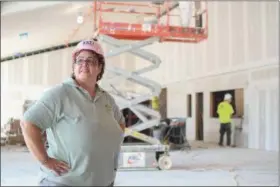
(145, 33)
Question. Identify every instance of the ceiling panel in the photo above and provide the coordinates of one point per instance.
(52, 25)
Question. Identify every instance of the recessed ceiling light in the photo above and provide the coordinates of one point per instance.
(80, 19)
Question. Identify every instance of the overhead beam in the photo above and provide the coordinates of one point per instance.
(39, 51)
(172, 7)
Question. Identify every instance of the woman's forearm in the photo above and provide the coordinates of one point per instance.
(34, 141)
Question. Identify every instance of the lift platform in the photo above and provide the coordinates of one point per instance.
(189, 25)
(128, 27)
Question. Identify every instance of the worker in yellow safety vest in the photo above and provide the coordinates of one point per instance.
(155, 103)
(225, 112)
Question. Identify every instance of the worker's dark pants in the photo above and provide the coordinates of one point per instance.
(225, 128)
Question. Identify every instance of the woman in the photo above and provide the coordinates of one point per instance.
(83, 124)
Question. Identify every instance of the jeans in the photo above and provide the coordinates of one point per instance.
(225, 128)
(46, 182)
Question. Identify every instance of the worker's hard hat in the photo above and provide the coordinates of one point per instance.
(89, 45)
(227, 96)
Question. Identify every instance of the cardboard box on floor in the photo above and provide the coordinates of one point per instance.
(13, 127)
(13, 132)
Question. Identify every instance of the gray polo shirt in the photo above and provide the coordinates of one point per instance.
(82, 131)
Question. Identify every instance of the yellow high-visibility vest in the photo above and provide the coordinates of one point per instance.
(225, 112)
(155, 103)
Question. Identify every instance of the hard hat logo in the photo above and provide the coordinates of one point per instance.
(88, 42)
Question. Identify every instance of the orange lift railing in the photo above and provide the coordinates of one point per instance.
(122, 29)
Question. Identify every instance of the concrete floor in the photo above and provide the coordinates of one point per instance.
(205, 165)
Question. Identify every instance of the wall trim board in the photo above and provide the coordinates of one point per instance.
(231, 70)
(267, 83)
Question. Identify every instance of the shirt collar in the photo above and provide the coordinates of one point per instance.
(71, 82)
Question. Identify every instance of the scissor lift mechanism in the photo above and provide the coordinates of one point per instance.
(164, 162)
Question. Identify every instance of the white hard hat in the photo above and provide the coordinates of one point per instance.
(227, 96)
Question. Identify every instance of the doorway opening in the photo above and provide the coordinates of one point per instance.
(163, 103)
(199, 116)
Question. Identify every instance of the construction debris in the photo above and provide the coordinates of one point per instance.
(12, 133)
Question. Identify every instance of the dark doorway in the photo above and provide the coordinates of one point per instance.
(163, 103)
(199, 116)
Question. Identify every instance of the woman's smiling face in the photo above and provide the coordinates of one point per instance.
(87, 66)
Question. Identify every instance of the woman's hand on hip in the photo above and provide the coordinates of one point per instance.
(122, 127)
(59, 167)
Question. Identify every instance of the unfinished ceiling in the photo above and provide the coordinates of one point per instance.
(44, 24)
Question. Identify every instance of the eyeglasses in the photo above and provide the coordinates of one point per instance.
(91, 62)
